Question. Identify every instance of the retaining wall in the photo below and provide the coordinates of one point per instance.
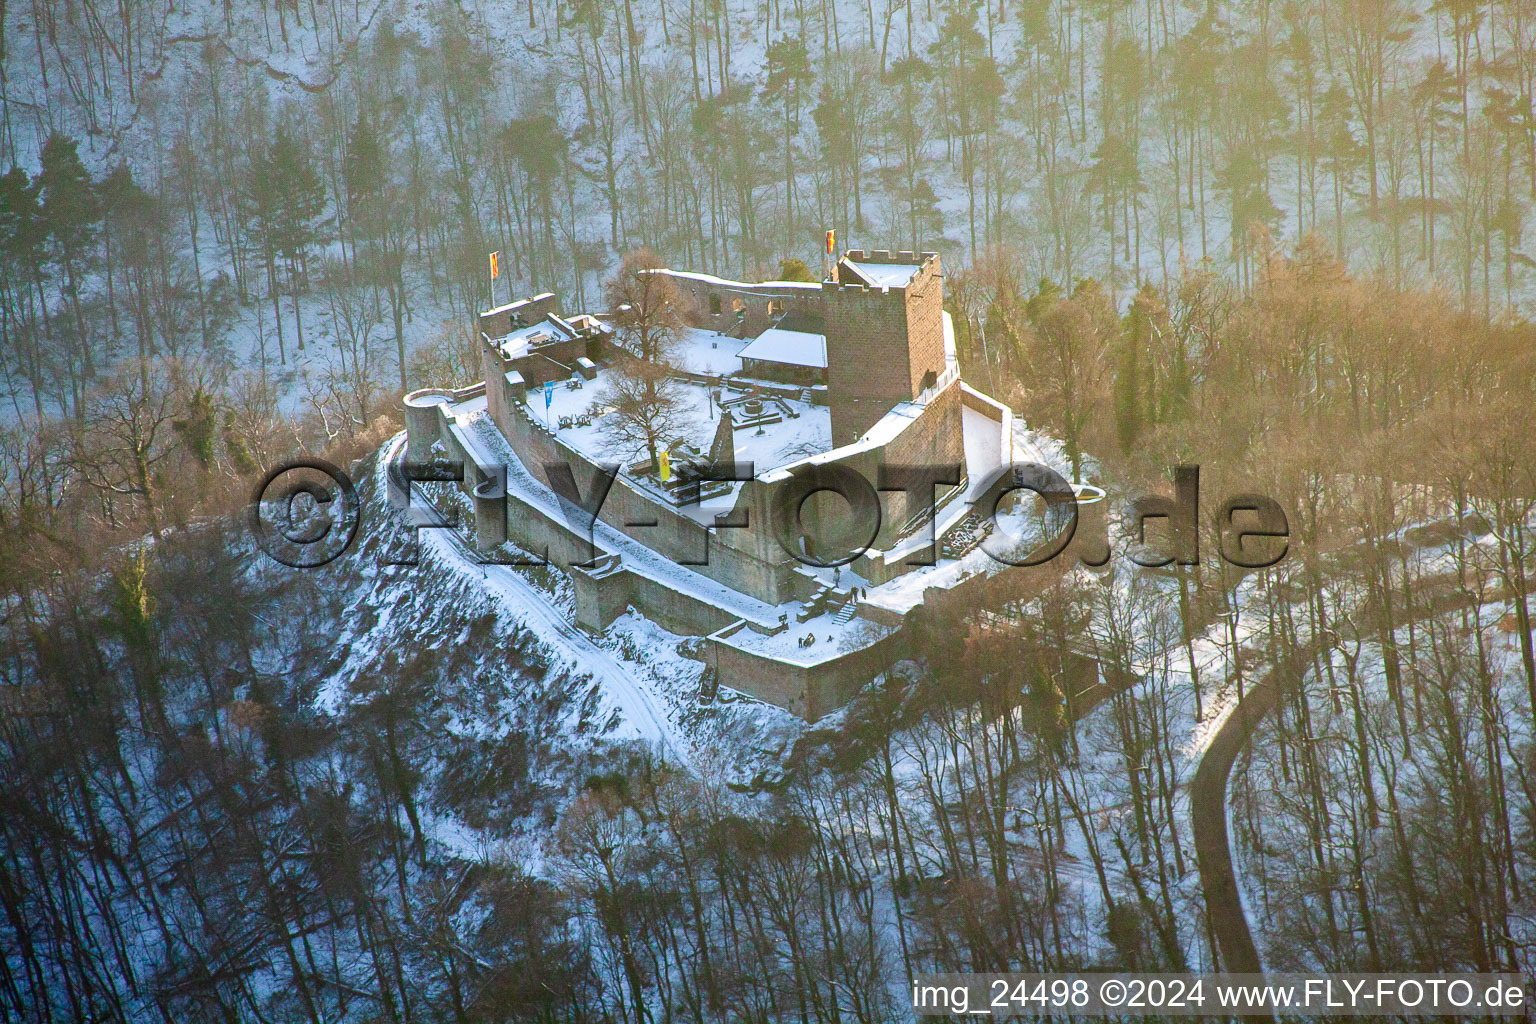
(807, 690)
(549, 538)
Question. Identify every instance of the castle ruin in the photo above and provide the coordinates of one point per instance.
(856, 374)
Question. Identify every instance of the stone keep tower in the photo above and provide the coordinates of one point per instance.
(885, 335)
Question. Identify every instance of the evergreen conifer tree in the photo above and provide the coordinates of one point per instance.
(70, 213)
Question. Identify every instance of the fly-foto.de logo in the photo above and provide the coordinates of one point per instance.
(305, 513)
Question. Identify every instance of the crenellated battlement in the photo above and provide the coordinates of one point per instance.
(886, 256)
(846, 275)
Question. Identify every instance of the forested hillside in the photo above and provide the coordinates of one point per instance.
(243, 178)
(1280, 240)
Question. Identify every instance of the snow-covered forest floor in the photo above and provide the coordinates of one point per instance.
(278, 165)
(369, 792)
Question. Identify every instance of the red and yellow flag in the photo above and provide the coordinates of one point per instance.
(495, 265)
(831, 241)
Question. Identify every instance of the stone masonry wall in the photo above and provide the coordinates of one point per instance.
(925, 324)
(497, 323)
(881, 344)
(545, 537)
(935, 439)
(755, 298)
(748, 560)
(810, 691)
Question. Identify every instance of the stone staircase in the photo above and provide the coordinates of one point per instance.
(846, 613)
(815, 604)
(838, 601)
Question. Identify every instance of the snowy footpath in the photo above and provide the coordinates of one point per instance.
(644, 710)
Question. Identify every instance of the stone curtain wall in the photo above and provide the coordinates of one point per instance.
(935, 439)
(748, 560)
(696, 296)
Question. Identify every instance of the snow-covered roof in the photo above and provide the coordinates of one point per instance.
(797, 348)
(884, 275)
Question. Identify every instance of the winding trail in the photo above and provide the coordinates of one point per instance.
(1208, 816)
(1208, 791)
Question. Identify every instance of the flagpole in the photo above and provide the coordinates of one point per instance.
(495, 259)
